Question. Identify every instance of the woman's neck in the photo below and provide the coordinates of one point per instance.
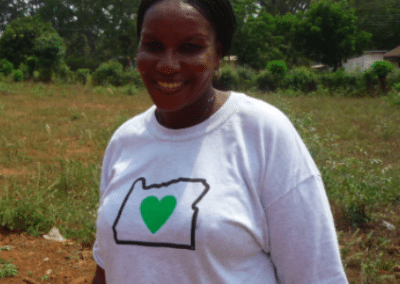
(194, 114)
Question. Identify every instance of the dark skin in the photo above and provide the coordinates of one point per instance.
(177, 56)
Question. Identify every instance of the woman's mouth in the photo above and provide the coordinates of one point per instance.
(169, 87)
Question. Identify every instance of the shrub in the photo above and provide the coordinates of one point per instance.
(301, 79)
(341, 80)
(6, 67)
(64, 73)
(277, 67)
(266, 81)
(108, 73)
(369, 78)
(382, 68)
(132, 76)
(228, 80)
(393, 78)
(18, 76)
(393, 97)
(76, 63)
(32, 63)
(247, 78)
(82, 75)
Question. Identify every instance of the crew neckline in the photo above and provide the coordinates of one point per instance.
(208, 125)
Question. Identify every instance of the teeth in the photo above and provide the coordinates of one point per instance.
(170, 85)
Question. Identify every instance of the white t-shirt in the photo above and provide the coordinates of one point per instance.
(234, 199)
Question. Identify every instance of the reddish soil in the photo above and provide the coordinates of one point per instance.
(44, 261)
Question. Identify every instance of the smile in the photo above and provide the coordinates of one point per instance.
(171, 86)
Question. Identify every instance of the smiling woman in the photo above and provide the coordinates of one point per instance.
(208, 186)
(178, 54)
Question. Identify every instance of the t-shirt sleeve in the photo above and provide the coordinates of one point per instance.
(300, 232)
(302, 237)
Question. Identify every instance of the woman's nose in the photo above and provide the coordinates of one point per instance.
(168, 63)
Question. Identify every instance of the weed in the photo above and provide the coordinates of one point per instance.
(7, 268)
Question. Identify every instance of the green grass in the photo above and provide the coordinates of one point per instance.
(53, 137)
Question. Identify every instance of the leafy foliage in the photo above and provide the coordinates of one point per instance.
(108, 73)
(18, 40)
(82, 75)
(266, 81)
(382, 68)
(32, 63)
(18, 76)
(301, 79)
(277, 67)
(328, 33)
(6, 67)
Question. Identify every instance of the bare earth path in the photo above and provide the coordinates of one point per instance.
(44, 261)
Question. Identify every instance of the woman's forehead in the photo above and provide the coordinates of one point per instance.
(175, 16)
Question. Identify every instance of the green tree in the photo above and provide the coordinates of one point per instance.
(328, 34)
(381, 18)
(50, 50)
(382, 69)
(255, 43)
(17, 41)
(276, 7)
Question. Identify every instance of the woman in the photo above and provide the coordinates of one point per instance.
(208, 186)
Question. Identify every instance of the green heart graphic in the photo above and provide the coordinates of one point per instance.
(155, 213)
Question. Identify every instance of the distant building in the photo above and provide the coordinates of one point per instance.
(393, 56)
(365, 61)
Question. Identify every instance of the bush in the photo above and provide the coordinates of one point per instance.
(76, 63)
(18, 76)
(132, 76)
(369, 78)
(266, 81)
(108, 73)
(382, 68)
(341, 80)
(64, 73)
(393, 78)
(32, 63)
(82, 75)
(247, 78)
(393, 97)
(301, 79)
(24, 69)
(277, 67)
(228, 79)
(6, 67)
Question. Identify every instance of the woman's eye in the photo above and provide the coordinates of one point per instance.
(154, 46)
(189, 48)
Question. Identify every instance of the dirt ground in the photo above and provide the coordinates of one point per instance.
(44, 261)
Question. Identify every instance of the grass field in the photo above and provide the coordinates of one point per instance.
(53, 137)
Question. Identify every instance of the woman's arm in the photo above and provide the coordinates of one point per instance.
(100, 276)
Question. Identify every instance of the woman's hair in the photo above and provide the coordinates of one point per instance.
(218, 12)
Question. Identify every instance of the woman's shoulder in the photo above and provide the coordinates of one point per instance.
(133, 126)
(257, 112)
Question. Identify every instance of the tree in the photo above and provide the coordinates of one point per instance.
(328, 34)
(17, 41)
(49, 49)
(381, 18)
(276, 7)
(382, 69)
(255, 43)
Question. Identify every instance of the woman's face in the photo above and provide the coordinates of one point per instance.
(177, 55)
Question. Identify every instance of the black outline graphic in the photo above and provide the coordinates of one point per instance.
(194, 218)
